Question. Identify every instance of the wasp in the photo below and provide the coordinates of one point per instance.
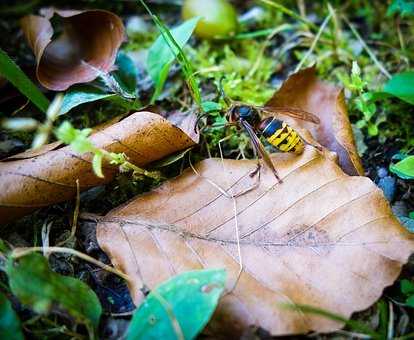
(276, 132)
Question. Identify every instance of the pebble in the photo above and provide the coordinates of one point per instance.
(382, 172)
(388, 186)
(399, 209)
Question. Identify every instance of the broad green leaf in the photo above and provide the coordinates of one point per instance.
(180, 307)
(401, 85)
(126, 74)
(404, 168)
(10, 327)
(80, 94)
(35, 285)
(407, 287)
(402, 7)
(160, 55)
(410, 301)
(12, 72)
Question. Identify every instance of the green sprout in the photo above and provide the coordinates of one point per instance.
(79, 142)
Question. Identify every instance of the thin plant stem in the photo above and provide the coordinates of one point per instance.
(20, 252)
(182, 58)
(290, 13)
(314, 42)
(128, 166)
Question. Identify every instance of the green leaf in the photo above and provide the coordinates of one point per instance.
(170, 159)
(10, 327)
(402, 7)
(35, 285)
(404, 168)
(97, 164)
(126, 74)
(410, 301)
(80, 94)
(12, 72)
(209, 106)
(401, 85)
(407, 287)
(160, 55)
(179, 307)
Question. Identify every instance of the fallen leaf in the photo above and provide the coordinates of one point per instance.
(164, 314)
(320, 238)
(303, 90)
(49, 176)
(49, 290)
(86, 48)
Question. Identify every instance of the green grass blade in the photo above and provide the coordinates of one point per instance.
(12, 72)
(354, 325)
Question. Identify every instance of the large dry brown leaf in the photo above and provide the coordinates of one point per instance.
(86, 48)
(34, 180)
(321, 238)
(303, 90)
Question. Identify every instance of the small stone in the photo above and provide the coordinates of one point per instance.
(382, 172)
(387, 184)
(399, 209)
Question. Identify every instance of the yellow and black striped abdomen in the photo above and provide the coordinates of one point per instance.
(283, 137)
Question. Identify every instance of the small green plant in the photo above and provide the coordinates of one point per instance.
(177, 50)
(79, 141)
(363, 101)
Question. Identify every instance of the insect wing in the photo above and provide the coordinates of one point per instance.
(295, 113)
(260, 148)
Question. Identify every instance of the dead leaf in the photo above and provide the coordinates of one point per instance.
(86, 48)
(321, 238)
(303, 90)
(42, 178)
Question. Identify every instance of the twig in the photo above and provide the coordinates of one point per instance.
(366, 47)
(19, 252)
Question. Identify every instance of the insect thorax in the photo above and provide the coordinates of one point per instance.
(247, 113)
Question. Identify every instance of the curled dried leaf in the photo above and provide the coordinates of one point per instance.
(37, 179)
(301, 241)
(86, 48)
(303, 90)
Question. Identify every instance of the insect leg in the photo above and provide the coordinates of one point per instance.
(317, 147)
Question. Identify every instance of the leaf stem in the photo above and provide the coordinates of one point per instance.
(20, 252)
